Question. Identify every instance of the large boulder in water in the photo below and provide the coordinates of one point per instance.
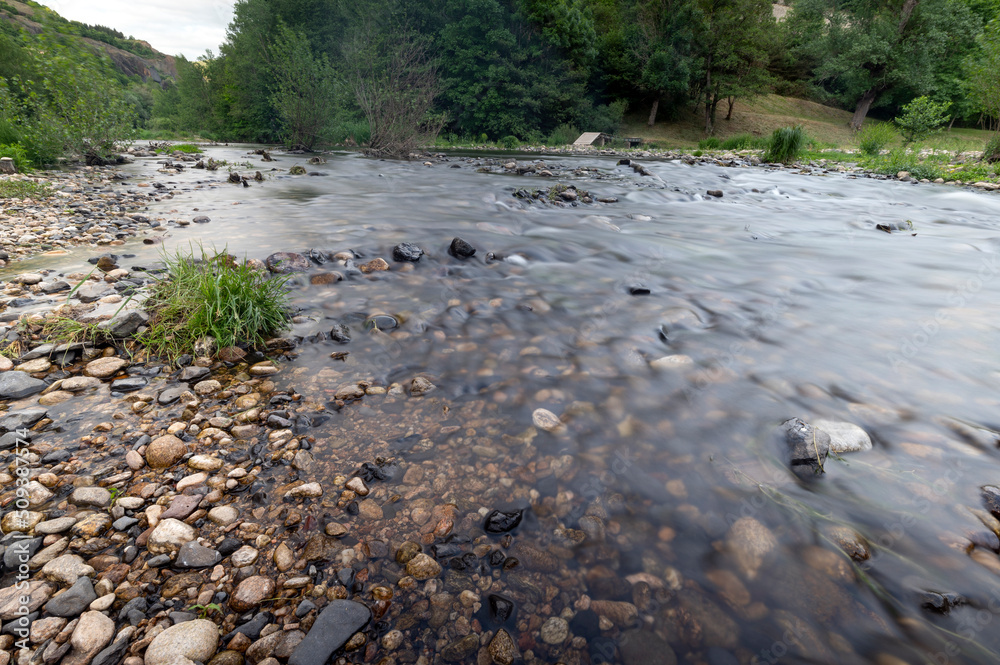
(284, 263)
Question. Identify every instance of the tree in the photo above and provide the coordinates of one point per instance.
(734, 48)
(662, 45)
(305, 89)
(982, 79)
(867, 48)
(394, 84)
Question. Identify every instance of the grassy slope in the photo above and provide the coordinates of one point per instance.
(763, 115)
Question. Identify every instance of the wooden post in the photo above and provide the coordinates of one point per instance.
(7, 165)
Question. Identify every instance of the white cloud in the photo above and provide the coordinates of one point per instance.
(175, 27)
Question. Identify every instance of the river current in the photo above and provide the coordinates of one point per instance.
(665, 488)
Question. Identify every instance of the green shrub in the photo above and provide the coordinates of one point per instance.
(213, 296)
(564, 134)
(16, 152)
(901, 159)
(697, 153)
(745, 142)
(991, 152)
(509, 143)
(873, 137)
(921, 118)
(711, 143)
(785, 145)
(188, 148)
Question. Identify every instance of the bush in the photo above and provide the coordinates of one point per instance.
(921, 118)
(874, 137)
(188, 148)
(744, 142)
(785, 145)
(991, 152)
(213, 296)
(711, 143)
(16, 152)
(902, 159)
(564, 134)
(509, 143)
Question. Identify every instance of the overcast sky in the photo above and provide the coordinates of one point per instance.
(174, 27)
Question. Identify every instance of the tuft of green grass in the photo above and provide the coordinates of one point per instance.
(64, 330)
(744, 142)
(212, 296)
(711, 143)
(785, 145)
(24, 189)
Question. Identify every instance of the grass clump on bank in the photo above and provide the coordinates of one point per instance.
(874, 137)
(24, 189)
(213, 296)
(785, 145)
(186, 148)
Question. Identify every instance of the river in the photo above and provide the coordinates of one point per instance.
(664, 488)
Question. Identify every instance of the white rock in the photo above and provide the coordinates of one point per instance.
(844, 437)
(169, 535)
(310, 490)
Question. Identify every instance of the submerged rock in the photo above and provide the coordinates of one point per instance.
(807, 445)
(460, 249)
(844, 437)
(284, 263)
(15, 385)
(333, 627)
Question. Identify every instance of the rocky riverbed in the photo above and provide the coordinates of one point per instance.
(511, 496)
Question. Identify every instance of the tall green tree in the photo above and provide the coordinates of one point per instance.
(864, 49)
(983, 75)
(306, 89)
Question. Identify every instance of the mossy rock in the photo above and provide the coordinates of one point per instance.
(297, 170)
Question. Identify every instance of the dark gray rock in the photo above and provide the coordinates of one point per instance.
(22, 419)
(252, 628)
(639, 647)
(53, 287)
(12, 440)
(158, 560)
(194, 373)
(331, 630)
(201, 219)
(16, 385)
(125, 323)
(193, 555)
(171, 395)
(113, 654)
(461, 249)
(124, 523)
(807, 445)
(74, 600)
(129, 385)
(340, 334)
(407, 251)
(20, 551)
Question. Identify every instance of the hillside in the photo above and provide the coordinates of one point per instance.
(131, 57)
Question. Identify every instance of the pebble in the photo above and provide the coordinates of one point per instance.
(169, 535)
(104, 368)
(555, 630)
(546, 420)
(422, 567)
(251, 592)
(165, 451)
(194, 640)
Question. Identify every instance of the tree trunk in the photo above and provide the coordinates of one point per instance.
(652, 112)
(905, 15)
(708, 97)
(729, 113)
(861, 110)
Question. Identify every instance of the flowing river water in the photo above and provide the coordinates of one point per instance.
(664, 490)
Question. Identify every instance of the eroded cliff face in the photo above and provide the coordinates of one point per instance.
(159, 68)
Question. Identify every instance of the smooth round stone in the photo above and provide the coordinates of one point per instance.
(104, 368)
(79, 383)
(555, 630)
(194, 640)
(251, 592)
(284, 263)
(53, 398)
(165, 451)
(546, 420)
(36, 365)
(381, 322)
(223, 515)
